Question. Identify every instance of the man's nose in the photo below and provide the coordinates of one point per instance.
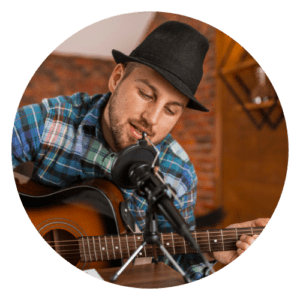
(152, 114)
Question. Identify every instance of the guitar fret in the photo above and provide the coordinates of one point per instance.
(106, 247)
(120, 247)
(184, 245)
(195, 237)
(100, 247)
(135, 242)
(222, 239)
(83, 247)
(252, 230)
(95, 249)
(236, 234)
(173, 242)
(113, 247)
(208, 241)
(127, 245)
(162, 239)
(91, 259)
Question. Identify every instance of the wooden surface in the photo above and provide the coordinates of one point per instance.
(145, 276)
(254, 162)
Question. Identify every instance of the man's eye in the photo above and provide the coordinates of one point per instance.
(170, 112)
(144, 95)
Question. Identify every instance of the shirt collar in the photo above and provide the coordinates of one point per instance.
(91, 123)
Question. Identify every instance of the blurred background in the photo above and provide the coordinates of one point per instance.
(239, 148)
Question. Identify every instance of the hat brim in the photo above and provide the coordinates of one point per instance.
(120, 57)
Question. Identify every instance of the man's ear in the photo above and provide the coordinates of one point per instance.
(115, 77)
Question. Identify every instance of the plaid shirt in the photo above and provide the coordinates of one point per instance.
(64, 139)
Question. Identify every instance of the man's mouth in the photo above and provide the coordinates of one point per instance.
(136, 132)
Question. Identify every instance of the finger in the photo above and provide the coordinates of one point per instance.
(248, 239)
(261, 222)
(255, 236)
(240, 251)
(156, 169)
(242, 245)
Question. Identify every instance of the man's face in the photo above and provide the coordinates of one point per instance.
(143, 101)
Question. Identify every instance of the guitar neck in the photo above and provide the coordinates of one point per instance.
(99, 248)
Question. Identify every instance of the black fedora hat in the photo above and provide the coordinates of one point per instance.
(176, 51)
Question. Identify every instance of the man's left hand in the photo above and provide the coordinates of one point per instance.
(242, 244)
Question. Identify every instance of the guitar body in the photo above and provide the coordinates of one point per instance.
(88, 209)
(83, 225)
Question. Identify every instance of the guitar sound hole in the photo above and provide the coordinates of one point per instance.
(65, 244)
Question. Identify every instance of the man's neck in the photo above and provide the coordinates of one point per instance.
(105, 125)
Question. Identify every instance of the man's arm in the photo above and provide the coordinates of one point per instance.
(27, 133)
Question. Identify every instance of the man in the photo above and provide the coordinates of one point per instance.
(76, 138)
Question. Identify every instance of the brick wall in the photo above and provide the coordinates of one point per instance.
(196, 131)
(62, 75)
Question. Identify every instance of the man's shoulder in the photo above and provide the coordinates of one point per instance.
(175, 162)
(170, 147)
(77, 100)
(176, 149)
(74, 107)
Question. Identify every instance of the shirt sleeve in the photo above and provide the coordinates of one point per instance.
(188, 201)
(27, 133)
(191, 263)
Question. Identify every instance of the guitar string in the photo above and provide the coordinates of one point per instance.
(176, 237)
(166, 241)
(109, 249)
(148, 248)
(148, 251)
(132, 244)
(116, 241)
(133, 248)
(178, 242)
(108, 253)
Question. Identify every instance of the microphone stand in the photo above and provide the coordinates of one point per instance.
(152, 237)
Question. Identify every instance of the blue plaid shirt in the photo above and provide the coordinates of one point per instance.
(64, 139)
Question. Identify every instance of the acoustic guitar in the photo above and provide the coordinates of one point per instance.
(83, 224)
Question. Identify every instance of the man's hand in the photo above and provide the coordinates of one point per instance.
(242, 244)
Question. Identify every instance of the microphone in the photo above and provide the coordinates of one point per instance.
(138, 153)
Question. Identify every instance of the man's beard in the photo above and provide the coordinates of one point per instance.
(117, 130)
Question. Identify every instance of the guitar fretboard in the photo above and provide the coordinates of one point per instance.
(110, 247)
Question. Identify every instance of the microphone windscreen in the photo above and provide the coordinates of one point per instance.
(138, 153)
